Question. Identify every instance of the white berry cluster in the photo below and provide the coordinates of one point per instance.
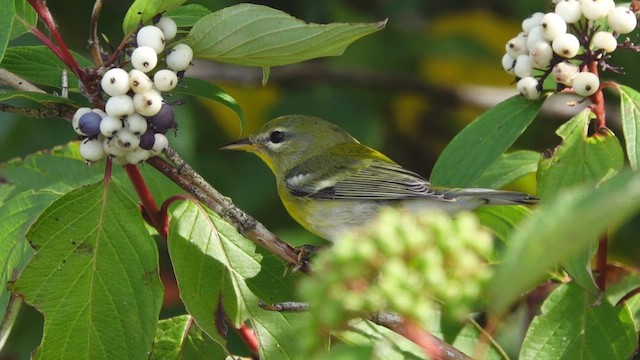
(135, 119)
(562, 43)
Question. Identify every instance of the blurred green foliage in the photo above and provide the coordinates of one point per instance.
(383, 90)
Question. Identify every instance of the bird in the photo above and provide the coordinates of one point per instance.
(331, 183)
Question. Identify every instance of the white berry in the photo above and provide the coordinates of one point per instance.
(165, 80)
(566, 45)
(523, 67)
(541, 55)
(76, 119)
(135, 123)
(565, 72)
(92, 150)
(152, 37)
(534, 36)
(109, 146)
(569, 10)
(144, 58)
(586, 83)
(531, 21)
(161, 142)
(138, 155)
(553, 25)
(168, 27)
(147, 103)
(115, 82)
(139, 81)
(622, 20)
(528, 87)
(595, 9)
(604, 40)
(118, 106)
(508, 63)
(110, 125)
(179, 57)
(127, 140)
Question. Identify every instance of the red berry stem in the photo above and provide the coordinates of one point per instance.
(62, 51)
(146, 199)
(249, 338)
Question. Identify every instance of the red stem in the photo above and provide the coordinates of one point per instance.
(597, 100)
(249, 338)
(146, 200)
(62, 51)
(601, 263)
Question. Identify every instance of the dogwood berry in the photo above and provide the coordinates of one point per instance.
(179, 57)
(118, 106)
(110, 125)
(147, 103)
(144, 58)
(76, 119)
(622, 20)
(569, 10)
(115, 82)
(92, 150)
(528, 87)
(89, 124)
(152, 37)
(553, 25)
(135, 123)
(159, 144)
(139, 81)
(595, 9)
(523, 67)
(165, 80)
(604, 40)
(168, 27)
(566, 45)
(586, 83)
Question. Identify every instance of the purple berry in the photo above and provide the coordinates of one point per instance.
(147, 140)
(163, 120)
(89, 123)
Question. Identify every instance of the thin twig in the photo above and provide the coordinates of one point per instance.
(94, 41)
(10, 79)
(184, 176)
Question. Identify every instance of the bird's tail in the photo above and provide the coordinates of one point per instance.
(494, 197)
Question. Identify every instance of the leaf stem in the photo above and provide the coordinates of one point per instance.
(62, 51)
(149, 205)
(601, 262)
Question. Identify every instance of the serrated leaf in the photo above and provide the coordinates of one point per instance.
(187, 15)
(508, 168)
(41, 66)
(17, 216)
(481, 143)
(41, 98)
(208, 90)
(94, 277)
(25, 12)
(180, 338)
(559, 229)
(7, 16)
(212, 263)
(580, 159)
(257, 35)
(141, 11)
(630, 116)
(577, 325)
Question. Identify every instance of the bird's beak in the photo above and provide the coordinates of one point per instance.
(245, 144)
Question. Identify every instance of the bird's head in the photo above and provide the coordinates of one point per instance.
(286, 141)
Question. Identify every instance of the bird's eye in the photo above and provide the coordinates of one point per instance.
(276, 137)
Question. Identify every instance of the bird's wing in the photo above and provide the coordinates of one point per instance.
(368, 179)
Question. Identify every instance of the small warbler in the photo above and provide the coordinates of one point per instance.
(329, 182)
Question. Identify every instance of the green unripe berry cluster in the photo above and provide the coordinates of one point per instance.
(405, 263)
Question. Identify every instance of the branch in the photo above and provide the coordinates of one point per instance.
(188, 179)
(432, 345)
(94, 41)
(10, 79)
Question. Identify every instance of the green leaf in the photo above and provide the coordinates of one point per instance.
(577, 325)
(17, 216)
(25, 12)
(502, 219)
(41, 98)
(208, 90)
(212, 263)
(256, 35)
(580, 159)
(180, 338)
(141, 11)
(94, 277)
(630, 116)
(508, 168)
(187, 15)
(481, 143)
(41, 66)
(6, 22)
(559, 229)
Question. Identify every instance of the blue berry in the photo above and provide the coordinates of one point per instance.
(89, 123)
